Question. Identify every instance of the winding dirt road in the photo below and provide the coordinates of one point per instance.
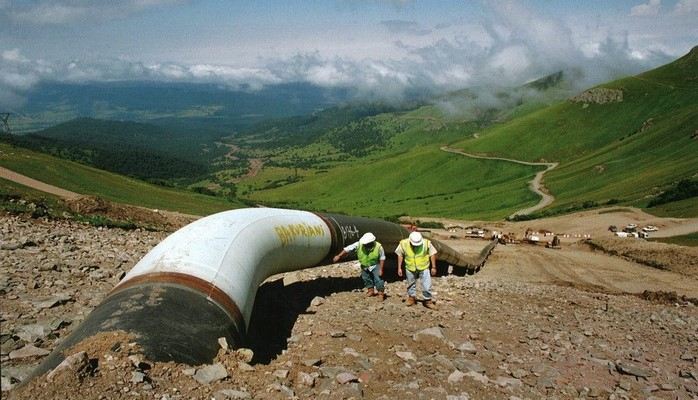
(536, 184)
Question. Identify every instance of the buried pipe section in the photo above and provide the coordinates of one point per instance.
(199, 284)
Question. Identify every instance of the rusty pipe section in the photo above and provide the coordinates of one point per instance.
(199, 284)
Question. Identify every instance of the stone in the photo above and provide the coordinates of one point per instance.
(74, 363)
(455, 376)
(478, 377)
(469, 365)
(138, 377)
(305, 379)
(629, 369)
(234, 394)
(503, 381)
(317, 301)
(247, 354)
(434, 332)
(245, 367)
(312, 362)
(406, 356)
(281, 373)
(468, 348)
(346, 377)
(211, 373)
(28, 351)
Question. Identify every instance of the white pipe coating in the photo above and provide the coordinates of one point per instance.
(235, 251)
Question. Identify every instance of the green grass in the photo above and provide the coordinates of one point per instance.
(17, 198)
(425, 183)
(90, 181)
(687, 208)
(685, 240)
(597, 164)
(603, 156)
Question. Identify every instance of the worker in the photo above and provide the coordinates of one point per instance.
(371, 257)
(419, 255)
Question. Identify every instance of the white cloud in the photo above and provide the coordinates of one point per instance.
(16, 78)
(686, 7)
(651, 8)
(17, 81)
(13, 56)
(408, 27)
(61, 12)
(511, 61)
(510, 45)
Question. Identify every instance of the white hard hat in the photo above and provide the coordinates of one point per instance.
(416, 239)
(367, 238)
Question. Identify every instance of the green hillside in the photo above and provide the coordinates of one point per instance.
(628, 150)
(139, 150)
(623, 142)
(407, 175)
(91, 181)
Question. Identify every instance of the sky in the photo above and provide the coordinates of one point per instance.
(378, 47)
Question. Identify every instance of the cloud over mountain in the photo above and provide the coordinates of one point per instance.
(506, 42)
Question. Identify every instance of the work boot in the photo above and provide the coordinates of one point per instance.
(381, 296)
(429, 304)
(410, 301)
(370, 292)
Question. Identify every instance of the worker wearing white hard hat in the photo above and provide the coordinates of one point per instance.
(371, 256)
(419, 257)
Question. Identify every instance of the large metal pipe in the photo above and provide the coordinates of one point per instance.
(199, 284)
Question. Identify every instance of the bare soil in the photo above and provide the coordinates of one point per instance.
(139, 216)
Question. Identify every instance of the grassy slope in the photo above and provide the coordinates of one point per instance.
(411, 176)
(90, 181)
(602, 150)
(628, 151)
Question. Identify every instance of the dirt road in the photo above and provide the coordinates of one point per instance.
(536, 184)
(578, 265)
(33, 183)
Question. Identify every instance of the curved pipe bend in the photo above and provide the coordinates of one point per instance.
(199, 284)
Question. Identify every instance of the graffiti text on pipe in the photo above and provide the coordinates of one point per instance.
(349, 232)
(289, 233)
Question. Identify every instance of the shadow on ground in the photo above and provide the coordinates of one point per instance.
(278, 306)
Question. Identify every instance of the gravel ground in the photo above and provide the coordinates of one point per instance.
(534, 323)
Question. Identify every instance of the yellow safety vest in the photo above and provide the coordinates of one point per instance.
(367, 259)
(416, 261)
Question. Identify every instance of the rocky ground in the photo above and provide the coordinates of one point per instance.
(533, 323)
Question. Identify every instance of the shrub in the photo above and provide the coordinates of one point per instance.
(685, 189)
(431, 225)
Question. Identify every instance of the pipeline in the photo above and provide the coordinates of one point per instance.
(199, 283)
